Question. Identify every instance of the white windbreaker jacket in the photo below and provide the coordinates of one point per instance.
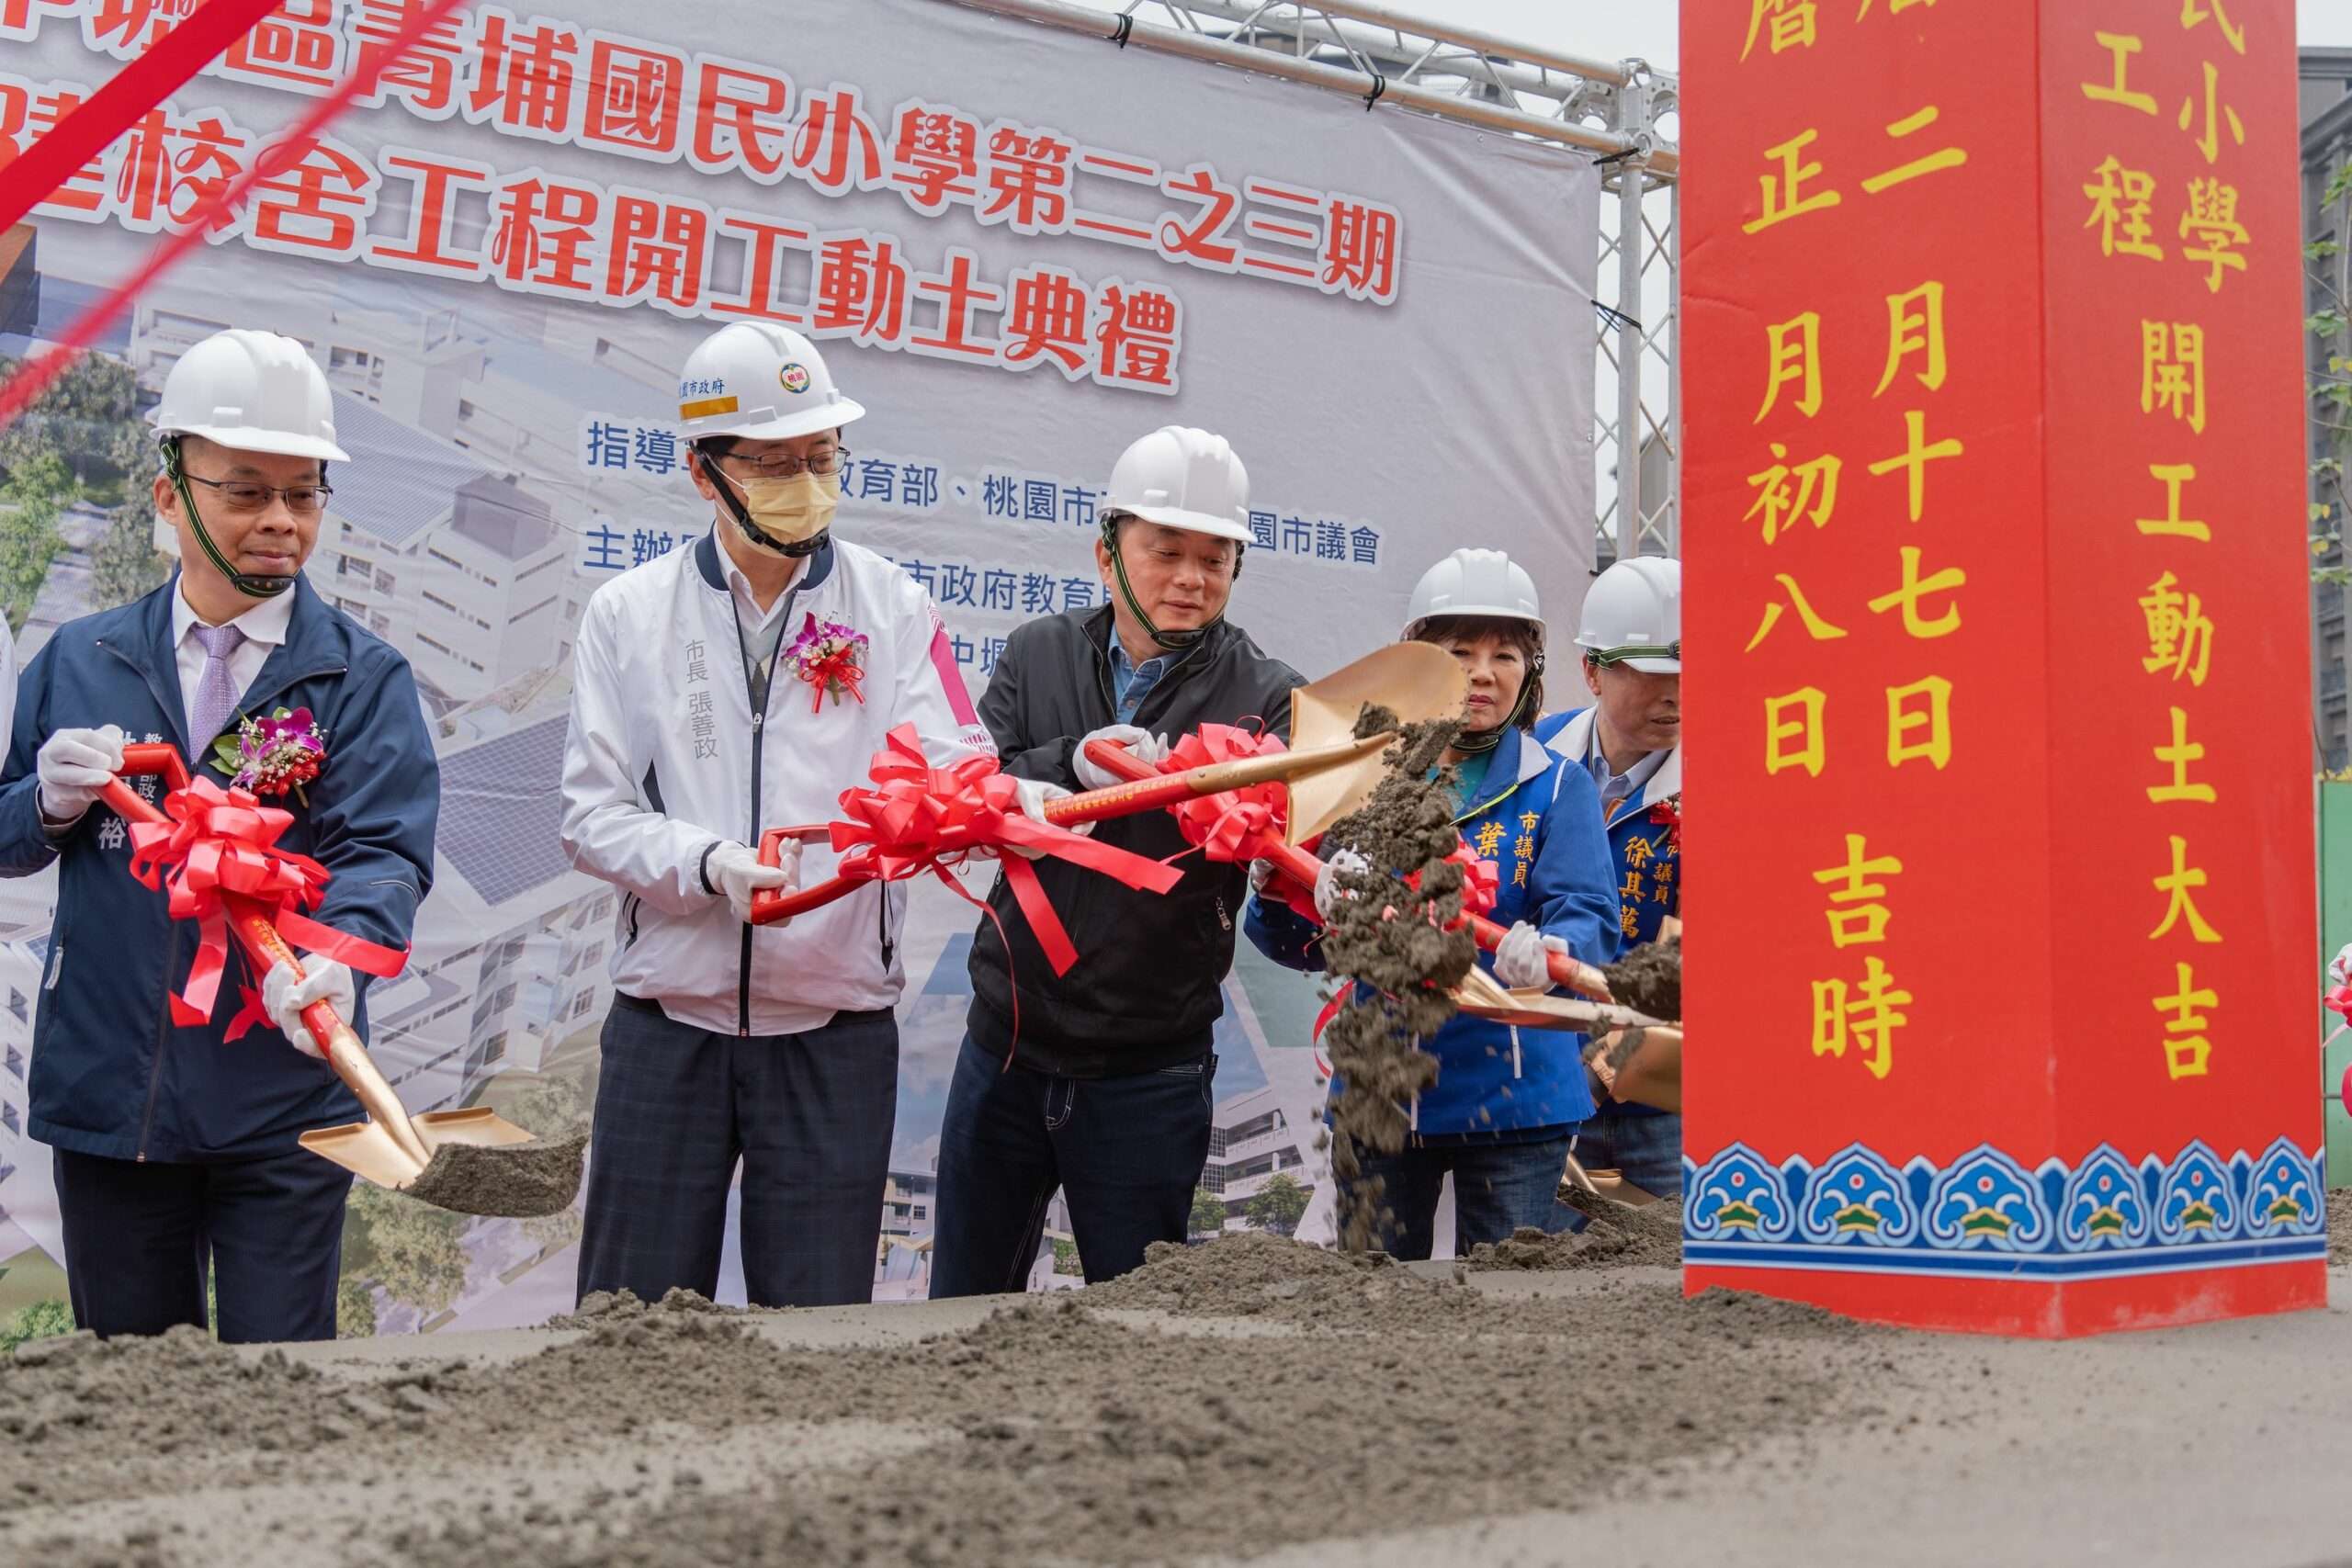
(666, 758)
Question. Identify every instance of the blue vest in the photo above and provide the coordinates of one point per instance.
(1641, 843)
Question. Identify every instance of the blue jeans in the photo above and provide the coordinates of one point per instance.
(1498, 1187)
(1125, 1152)
(1646, 1150)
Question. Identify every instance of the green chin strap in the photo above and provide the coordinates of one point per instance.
(252, 584)
(1175, 642)
(1606, 657)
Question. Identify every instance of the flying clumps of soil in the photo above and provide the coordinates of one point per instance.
(1650, 979)
(1395, 942)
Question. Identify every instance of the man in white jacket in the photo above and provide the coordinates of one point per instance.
(698, 718)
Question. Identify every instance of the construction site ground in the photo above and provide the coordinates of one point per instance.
(1252, 1400)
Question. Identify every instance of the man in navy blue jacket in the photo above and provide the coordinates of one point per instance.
(175, 1150)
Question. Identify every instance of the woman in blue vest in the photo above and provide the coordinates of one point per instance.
(1630, 743)
(1506, 1102)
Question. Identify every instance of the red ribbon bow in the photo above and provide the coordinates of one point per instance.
(1226, 826)
(2339, 1001)
(918, 818)
(218, 844)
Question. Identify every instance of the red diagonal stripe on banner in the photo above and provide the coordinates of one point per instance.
(27, 180)
(30, 381)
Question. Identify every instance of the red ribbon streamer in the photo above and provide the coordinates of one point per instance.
(2339, 1001)
(918, 818)
(216, 843)
(199, 39)
(35, 377)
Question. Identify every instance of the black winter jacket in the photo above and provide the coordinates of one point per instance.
(1145, 993)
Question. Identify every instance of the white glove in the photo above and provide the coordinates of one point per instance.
(284, 998)
(1327, 891)
(1033, 794)
(2339, 971)
(1146, 747)
(1261, 872)
(1519, 962)
(737, 871)
(76, 766)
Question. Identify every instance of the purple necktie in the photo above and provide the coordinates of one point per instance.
(216, 692)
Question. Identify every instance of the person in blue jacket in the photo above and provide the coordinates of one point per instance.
(1506, 1102)
(175, 1150)
(1630, 741)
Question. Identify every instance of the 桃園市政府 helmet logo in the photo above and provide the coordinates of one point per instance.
(795, 376)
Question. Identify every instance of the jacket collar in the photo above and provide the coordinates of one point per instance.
(710, 561)
(1515, 760)
(317, 641)
(1574, 742)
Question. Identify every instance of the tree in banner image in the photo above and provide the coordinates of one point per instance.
(38, 489)
(413, 1249)
(2330, 323)
(126, 565)
(1208, 1212)
(40, 1320)
(89, 416)
(1280, 1204)
(553, 1106)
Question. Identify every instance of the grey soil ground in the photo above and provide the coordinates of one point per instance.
(1254, 1400)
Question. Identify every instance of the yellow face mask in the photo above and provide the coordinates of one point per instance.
(789, 511)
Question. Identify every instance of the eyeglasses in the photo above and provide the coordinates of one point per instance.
(244, 495)
(783, 465)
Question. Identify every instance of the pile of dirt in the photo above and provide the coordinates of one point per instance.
(1407, 959)
(1249, 1274)
(1650, 979)
(675, 1434)
(1614, 1237)
(2339, 1225)
(600, 1309)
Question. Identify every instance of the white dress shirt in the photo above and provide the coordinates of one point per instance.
(264, 628)
(761, 635)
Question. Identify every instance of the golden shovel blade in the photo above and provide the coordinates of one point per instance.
(370, 1150)
(1414, 681)
(1482, 996)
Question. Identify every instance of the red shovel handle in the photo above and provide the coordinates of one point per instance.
(1301, 867)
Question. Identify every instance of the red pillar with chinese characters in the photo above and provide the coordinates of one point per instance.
(2001, 890)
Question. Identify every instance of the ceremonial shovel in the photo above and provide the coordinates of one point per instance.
(1329, 771)
(474, 1164)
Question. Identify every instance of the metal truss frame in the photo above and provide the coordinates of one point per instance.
(1616, 111)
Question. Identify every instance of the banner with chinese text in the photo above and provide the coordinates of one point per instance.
(2004, 845)
(1019, 249)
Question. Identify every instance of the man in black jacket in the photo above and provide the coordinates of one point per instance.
(1108, 1090)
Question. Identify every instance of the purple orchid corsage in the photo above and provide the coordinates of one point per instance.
(831, 657)
(273, 756)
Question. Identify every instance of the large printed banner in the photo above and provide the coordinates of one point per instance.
(1020, 248)
(2002, 873)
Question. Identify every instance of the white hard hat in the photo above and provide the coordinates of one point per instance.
(1633, 616)
(760, 381)
(251, 391)
(1183, 478)
(1475, 582)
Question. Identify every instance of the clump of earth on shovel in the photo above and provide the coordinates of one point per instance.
(1407, 957)
(1650, 979)
(504, 1181)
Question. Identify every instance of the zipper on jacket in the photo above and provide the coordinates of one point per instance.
(156, 1067)
(759, 751)
(1223, 919)
(882, 929)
